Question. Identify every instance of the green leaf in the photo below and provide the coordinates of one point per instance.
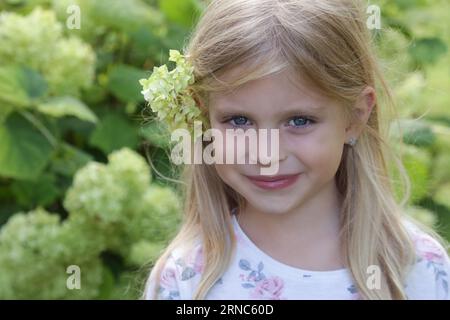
(114, 132)
(19, 86)
(145, 45)
(443, 195)
(127, 15)
(175, 38)
(124, 83)
(33, 83)
(68, 159)
(95, 94)
(67, 106)
(12, 91)
(399, 25)
(183, 12)
(418, 133)
(5, 110)
(427, 50)
(39, 192)
(423, 215)
(442, 142)
(417, 163)
(24, 151)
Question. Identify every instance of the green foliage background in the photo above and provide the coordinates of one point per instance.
(75, 186)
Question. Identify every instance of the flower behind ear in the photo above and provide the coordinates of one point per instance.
(168, 94)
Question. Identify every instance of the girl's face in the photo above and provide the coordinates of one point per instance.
(312, 133)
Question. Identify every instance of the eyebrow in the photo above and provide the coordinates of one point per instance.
(304, 110)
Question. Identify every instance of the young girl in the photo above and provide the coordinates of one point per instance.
(327, 225)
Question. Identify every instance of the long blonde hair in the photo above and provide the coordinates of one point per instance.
(328, 43)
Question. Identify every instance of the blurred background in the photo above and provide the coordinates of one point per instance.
(76, 184)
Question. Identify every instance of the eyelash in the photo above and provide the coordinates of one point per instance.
(309, 120)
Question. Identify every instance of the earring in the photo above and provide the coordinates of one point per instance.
(352, 141)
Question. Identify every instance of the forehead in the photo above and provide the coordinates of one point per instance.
(276, 92)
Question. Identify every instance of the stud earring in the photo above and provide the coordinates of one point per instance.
(352, 141)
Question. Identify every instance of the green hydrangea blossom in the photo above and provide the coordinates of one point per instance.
(167, 93)
(37, 41)
(112, 207)
(144, 252)
(34, 259)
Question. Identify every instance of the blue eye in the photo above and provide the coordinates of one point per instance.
(300, 122)
(238, 120)
(296, 122)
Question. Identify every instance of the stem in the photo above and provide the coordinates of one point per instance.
(45, 132)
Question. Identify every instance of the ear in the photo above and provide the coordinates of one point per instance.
(362, 109)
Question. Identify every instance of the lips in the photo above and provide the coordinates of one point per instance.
(272, 178)
(274, 182)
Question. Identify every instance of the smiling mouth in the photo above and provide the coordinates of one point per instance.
(273, 182)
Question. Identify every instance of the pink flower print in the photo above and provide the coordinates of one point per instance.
(428, 249)
(251, 277)
(434, 255)
(168, 279)
(192, 265)
(269, 288)
(262, 287)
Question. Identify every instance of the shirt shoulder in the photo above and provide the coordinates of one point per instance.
(429, 276)
(179, 277)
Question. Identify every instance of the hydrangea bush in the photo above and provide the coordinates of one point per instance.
(112, 207)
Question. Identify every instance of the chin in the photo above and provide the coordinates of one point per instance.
(272, 206)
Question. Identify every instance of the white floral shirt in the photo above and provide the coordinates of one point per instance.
(253, 274)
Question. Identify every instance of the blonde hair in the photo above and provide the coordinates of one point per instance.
(328, 43)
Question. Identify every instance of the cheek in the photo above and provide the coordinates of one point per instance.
(231, 176)
(226, 173)
(319, 151)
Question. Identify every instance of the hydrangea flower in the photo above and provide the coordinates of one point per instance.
(168, 94)
(37, 41)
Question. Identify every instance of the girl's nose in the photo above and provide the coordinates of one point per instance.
(255, 158)
(270, 150)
